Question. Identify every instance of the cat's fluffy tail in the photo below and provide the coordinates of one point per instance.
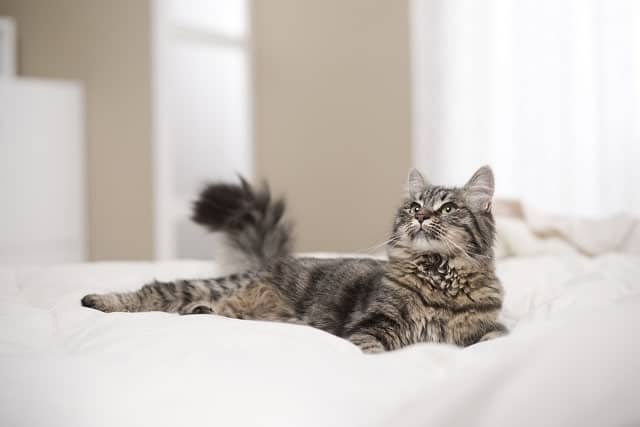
(254, 226)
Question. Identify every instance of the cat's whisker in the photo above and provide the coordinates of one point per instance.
(469, 257)
(395, 237)
(380, 245)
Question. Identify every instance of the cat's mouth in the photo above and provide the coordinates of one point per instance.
(424, 234)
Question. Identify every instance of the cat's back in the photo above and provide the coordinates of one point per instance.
(342, 274)
(338, 270)
(343, 267)
(326, 291)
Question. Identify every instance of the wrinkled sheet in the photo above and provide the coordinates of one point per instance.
(590, 236)
(572, 357)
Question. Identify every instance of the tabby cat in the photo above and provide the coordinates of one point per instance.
(438, 285)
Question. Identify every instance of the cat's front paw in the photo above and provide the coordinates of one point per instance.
(367, 343)
(95, 301)
(498, 331)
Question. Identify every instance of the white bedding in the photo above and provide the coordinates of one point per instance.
(572, 358)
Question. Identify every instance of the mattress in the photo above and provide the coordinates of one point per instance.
(572, 357)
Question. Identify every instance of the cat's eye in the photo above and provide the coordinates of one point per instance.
(415, 207)
(448, 207)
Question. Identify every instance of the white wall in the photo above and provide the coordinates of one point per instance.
(42, 213)
(201, 106)
(104, 45)
(546, 91)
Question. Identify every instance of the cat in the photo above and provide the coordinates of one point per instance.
(438, 285)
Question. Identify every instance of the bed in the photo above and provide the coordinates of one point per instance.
(572, 357)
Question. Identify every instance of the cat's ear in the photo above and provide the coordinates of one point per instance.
(416, 183)
(479, 189)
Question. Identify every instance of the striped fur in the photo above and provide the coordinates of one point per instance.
(439, 284)
(253, 225)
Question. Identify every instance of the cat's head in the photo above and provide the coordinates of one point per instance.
(445, 220)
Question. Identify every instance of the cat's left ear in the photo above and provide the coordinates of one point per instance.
(479, 189)
(416, 183)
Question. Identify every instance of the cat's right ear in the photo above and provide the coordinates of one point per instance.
(479, 189)
(416, 183)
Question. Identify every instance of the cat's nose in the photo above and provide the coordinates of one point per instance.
(420, 217)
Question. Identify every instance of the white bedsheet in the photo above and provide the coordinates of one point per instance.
(572, 358)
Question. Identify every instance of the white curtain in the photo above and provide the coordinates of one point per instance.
(545, 91)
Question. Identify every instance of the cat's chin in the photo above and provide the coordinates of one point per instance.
(422, 241)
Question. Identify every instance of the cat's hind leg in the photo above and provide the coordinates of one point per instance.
(244, 296)
(182, 296)
(258, 300)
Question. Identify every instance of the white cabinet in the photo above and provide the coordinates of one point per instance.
(201, 113)
(42, 178)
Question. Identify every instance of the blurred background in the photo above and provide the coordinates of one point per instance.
(113, 115)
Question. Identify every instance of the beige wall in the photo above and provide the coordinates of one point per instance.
(105, 45)
(332, 114)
